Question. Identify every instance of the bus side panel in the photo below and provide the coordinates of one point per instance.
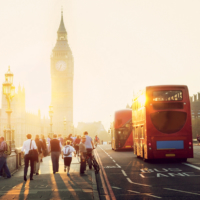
(129, 142)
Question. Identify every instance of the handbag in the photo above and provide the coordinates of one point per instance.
(45, 153)
(33, 153)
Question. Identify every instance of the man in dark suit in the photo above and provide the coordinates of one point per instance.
(55, 153)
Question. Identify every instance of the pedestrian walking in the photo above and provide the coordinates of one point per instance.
(48, 143)
(60, 139)
(3, 157)
(44, 144)
(96, 140)
(76, 145)
(198, 139)
(89, 146)
(55, 153)
(70, 138)
(40, 149)
(27, 146)
(82, 151)
(67, 155)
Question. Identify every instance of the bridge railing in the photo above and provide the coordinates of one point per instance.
(15, 160)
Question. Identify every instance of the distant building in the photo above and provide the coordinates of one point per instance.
(93, 128)
(195, 113)
(21, 121)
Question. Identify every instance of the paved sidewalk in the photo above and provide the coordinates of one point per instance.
(51, 186)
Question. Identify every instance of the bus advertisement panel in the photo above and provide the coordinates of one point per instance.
(162, 123)
(121, 130)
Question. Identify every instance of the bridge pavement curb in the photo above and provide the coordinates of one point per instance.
(94, 186)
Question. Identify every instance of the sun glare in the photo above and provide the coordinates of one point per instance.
(142, 99)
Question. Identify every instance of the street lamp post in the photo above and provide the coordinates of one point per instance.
(51, 116)
(65, 123)
(9, 92)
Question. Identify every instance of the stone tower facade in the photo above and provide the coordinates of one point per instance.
(22, 122)
(62, 73)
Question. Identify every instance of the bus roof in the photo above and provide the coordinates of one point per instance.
(122, 117)
(166, 86)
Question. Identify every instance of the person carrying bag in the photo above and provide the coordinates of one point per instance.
(67, 155)
(30, 149)
(33, 153)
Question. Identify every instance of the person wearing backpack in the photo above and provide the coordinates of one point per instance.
(67, 155)
(3, 157)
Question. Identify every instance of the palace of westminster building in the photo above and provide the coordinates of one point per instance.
(62, 72)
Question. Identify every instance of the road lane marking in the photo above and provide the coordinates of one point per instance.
(153, 196)
(193, 166)
(144, 194)
(102, 180)
(105, 177)
(129, 180)
(118, 165)
(133, 191)
(114, 161)
(181, 191)
(124, 173)
(142, 176)
(116, 188)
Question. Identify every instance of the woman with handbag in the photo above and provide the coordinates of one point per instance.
(28, 146)
(40, 149)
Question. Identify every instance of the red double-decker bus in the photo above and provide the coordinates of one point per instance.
(162, 123)
(121, 130)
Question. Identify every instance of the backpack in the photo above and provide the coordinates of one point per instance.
(68, 153)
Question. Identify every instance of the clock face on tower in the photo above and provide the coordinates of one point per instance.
(61, 65)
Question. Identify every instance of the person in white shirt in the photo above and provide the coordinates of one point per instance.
(89, 146)
(27, 145)
(67, 155)
(48, 143)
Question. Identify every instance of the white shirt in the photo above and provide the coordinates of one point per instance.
(67, 149)
(26, 146)
(88, 142)
(48, 141)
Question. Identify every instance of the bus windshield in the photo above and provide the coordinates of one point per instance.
(122, 134)
(168, 95)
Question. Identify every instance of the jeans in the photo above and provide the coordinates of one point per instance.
(89, 160)
(55, 160)
(26, 161)
(3, 165)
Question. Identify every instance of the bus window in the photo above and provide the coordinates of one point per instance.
(168, 95)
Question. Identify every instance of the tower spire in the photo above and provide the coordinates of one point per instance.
(61, 28)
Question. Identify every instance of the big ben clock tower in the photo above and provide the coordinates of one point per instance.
(62, 72)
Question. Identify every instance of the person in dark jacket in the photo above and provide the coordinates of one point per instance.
(40, 148)
(45, 152)
(3, 157)
(55, 153)
(76, 144)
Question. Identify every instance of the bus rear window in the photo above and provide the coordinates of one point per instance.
(168, 121)
(168, 95)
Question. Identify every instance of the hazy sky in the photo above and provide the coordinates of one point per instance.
(119, 46)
